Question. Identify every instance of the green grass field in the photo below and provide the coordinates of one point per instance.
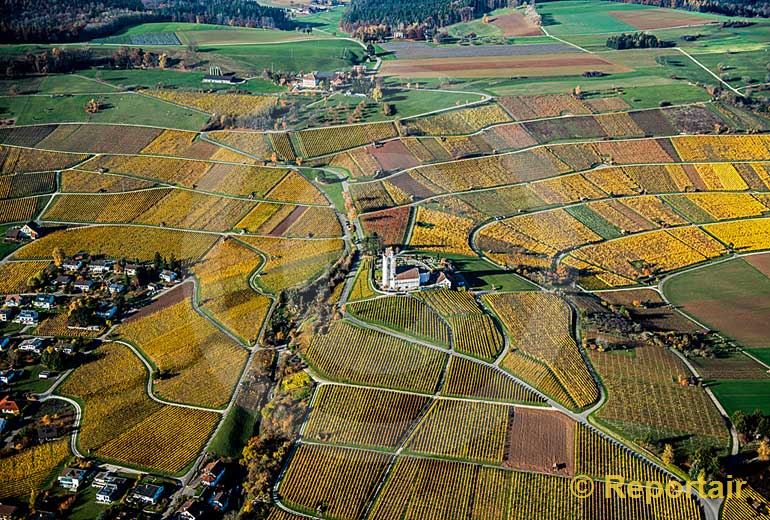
(177, 79)
(234, 433)
(481, 275)
(743, 395)
(582, 17)
(328, 21)
(732, 297)
(120, 108)
(54, 84)
(739, 69)
(762, 354)
(322, 55)
(207, 34)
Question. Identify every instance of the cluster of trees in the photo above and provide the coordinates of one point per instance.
(752, 427)
(56, 21)
(58, 60)
(640, 40)
(415, 13)
(747, 8)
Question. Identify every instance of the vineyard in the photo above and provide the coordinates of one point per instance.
(353, 355)
(643, 396)
(362, 416)
(440, 232)
(78, 181)
(539, 326)
(201, 364)
(252, 143)
(14, 275)
(121, 422)
(21, 210)
(463, 430)
(362, 286)
(178, 143)
(598, 457)
(403, 314)
(294, 262)
(22, 160)
(120, 242)
(30, 468)
(473, 332)
(224, 104)
(336, 480)
(223, 276)
(26, 184)
(462, 121)
(468, 379)
(324, 141)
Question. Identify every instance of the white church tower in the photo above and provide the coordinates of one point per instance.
(388, 269)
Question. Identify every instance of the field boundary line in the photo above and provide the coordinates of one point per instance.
(701, 65)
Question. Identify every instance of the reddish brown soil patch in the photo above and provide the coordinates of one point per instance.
(658, 19)
(744, 318)
(538, 65)
(393, 155)
(176, 295)
(760, 262)
(286, 223)
(540, 439)
(694, 176)
(515, 24)
(390, 224)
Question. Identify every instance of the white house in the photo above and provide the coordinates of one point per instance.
(72, 478)
(44, 301)
(32, 344)
(168, 276)
(108, 494)
(28, 317)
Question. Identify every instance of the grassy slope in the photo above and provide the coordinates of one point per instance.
(178, 79)
(121, 108)
(323, 55)
(724, 283)
(743, 395)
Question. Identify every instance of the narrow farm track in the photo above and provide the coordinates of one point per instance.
(701, 65)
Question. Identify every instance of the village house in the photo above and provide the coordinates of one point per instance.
(408, 279)
(85, 286)
(116, 288)
(44, 301)
(220, 500)
(29, 231)
(101, 266)
(148, 493)
(168, 276)
(63, 280)
(108, 494)
(72, 478)
(131, 269)
(28, 317)
(212, 473)
(72, 265)
(9, 376)
(31, 345)
(106, 311)
(191, 510)
(14, 300)
(65, 347)
(7, 314)
(107, 477)
(5, 342)
(9, 406)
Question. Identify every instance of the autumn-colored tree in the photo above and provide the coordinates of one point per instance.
(377, 94)
(763, 451)
(58, 256)
(668, 456)
(93, 106)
